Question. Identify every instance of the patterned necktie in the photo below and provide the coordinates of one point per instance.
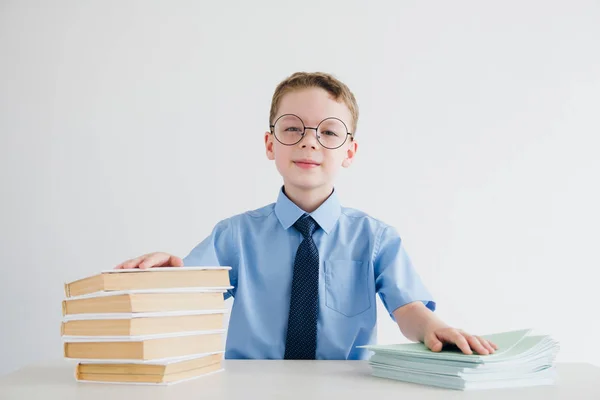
(301, 340)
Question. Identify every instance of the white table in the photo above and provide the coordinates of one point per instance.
(276, 379)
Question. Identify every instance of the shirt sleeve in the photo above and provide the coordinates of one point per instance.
(218, 249)
(396, 280)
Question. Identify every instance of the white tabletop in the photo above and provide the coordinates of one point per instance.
(276, 379)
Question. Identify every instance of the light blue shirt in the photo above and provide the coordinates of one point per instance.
(359, 257)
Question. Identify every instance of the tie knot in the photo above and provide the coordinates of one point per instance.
(306, 225)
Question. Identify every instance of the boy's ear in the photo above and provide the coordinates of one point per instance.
(350, 153)
(269, 147)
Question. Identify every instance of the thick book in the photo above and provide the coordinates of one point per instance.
(139, 324)
(157, 372)
(145, 347)
(152, 278)
(134, 302)
(520, 360)
(169, 379)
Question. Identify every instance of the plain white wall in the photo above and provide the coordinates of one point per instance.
(134, 126)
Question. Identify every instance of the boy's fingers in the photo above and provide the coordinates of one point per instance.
(176, 261)
(476, 344)
(151, 260)
(462, 343)
(131, 263)
(161, 260)
(456, 337)
(120, 266)
(433, 343)
(465, 342)
(154, 260)
(486, 344)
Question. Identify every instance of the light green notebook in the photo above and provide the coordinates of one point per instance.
(520, 360)
(545, 377)
(511, 345)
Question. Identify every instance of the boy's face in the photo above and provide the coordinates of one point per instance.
(307, 165)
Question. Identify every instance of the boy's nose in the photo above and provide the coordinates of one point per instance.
(310, 138)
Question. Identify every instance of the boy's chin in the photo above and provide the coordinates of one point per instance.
(307, 184)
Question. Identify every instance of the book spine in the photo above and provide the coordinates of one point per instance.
(77, 371)
(67, 290)
(64, 308)
(132, 303)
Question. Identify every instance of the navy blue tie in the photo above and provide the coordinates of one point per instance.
(301, 339)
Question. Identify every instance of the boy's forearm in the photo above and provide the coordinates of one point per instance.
(414, 320)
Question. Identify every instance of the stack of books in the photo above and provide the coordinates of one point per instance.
(155, 326)
(521, 360)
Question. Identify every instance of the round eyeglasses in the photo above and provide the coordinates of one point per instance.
(331, 133)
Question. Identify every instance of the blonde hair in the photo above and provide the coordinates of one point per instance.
(302, 80)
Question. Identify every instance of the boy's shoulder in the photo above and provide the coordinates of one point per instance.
(361, 217)
(261, 212)
(358, 214)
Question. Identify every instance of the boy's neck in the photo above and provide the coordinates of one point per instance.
(308, 200)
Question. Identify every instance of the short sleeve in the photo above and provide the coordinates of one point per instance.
(396, 280)
(218, 249)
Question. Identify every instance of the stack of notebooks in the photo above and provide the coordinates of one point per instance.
(154, 326)
(521, 360)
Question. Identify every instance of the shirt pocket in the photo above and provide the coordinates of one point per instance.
(347, 286)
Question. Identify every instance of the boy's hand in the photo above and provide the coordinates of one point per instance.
(420, 324)
(152, 260)
(437, 337)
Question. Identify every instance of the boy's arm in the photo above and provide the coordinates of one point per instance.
(409, 302)
(420, 324)
(219, 248)
(396, 280)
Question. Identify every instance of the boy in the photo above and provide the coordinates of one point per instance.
(306, 270)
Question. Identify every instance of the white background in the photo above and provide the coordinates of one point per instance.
(135, 126)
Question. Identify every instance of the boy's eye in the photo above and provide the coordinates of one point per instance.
(293, 129)
(329, 133)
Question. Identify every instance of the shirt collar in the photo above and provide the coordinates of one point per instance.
(326, 215)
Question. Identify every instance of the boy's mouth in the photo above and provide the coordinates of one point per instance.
(306, 163)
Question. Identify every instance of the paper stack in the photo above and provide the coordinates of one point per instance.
(155, 326)
(521, 360)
